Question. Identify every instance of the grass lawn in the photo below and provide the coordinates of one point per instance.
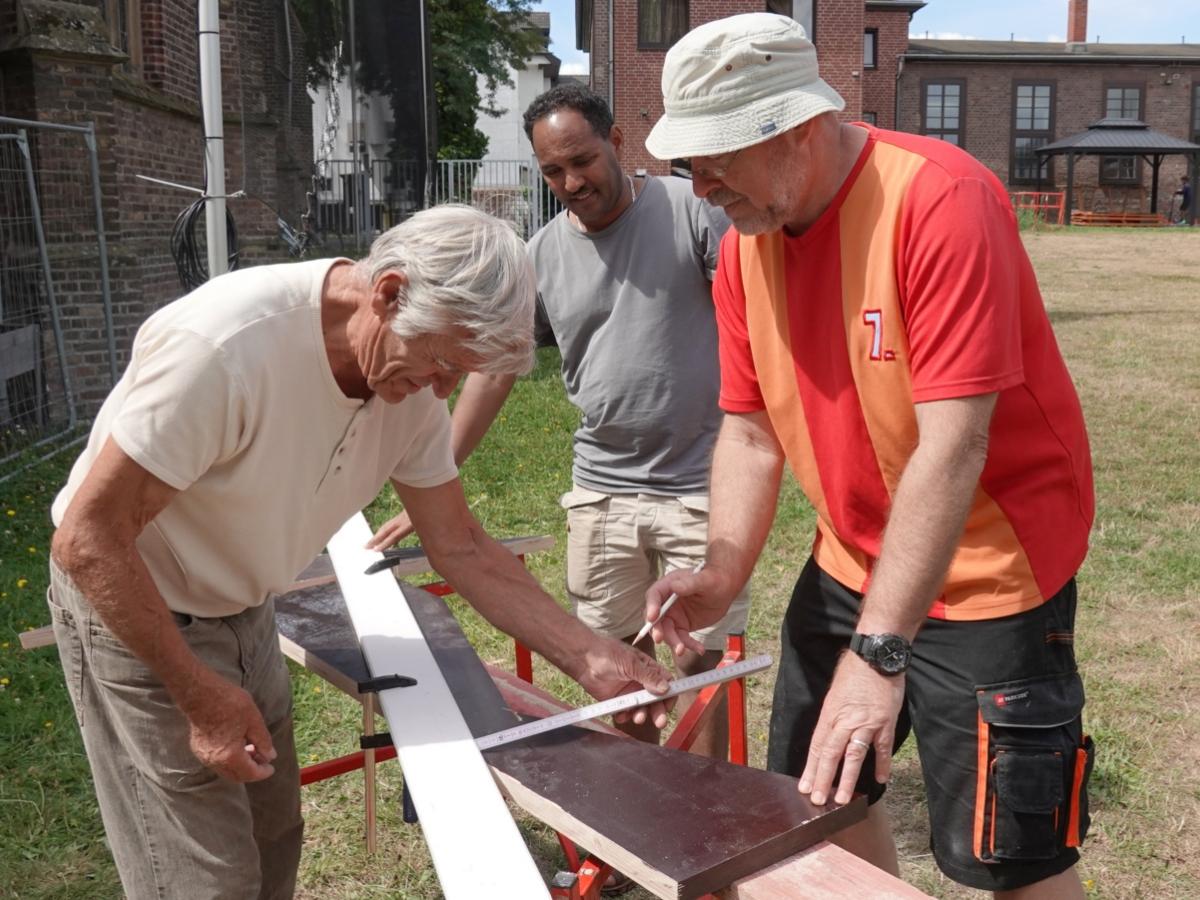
(1124, 307)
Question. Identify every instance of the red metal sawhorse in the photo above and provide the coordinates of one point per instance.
(586, 876)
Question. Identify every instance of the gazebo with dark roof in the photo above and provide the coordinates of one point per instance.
(1125, 137)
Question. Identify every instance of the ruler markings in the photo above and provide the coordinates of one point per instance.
(622, 702)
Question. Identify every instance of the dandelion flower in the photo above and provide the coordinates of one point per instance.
(11, 512)
(21, 582)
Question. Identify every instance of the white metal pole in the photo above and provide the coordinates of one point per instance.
(355, 181)
(214, 136)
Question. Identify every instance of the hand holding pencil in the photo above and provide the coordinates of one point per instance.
(645, 630)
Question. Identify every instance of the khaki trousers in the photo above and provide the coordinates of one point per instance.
(176, 829)
(620, 544)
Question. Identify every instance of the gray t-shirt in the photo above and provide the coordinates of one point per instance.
(631, 311)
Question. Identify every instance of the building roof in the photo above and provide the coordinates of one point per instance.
(1023, 51)
(1117, 137)
(910, 6)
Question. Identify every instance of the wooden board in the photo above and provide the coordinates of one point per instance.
(476, 848)
(678, 824)
(823, 872)
(315, 622)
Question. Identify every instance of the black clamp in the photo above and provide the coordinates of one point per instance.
(384, 683)
(375, 741)
(394, 557)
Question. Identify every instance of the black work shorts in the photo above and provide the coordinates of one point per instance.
(996, 708)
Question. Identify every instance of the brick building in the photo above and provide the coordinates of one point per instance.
(130, 66)
(860, 44)
(1001, 100)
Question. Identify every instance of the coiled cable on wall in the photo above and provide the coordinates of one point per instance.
(190, 257)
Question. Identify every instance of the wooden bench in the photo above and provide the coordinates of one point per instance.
(1118, 219)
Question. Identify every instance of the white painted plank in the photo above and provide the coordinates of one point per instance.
(472, 838)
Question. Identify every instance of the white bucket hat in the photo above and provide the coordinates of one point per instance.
(736, 82)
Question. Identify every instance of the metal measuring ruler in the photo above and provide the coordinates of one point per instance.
(622, 702)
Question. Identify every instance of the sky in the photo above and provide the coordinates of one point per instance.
(1115, 21)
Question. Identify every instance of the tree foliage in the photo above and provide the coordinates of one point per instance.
(472, 43)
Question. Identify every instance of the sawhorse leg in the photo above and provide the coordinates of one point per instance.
(368, 705)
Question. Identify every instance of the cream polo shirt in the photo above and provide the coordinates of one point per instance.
(229, 399)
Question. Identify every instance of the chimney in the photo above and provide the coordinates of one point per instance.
(1077, 25)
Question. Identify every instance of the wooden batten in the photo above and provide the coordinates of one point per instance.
(451, 786)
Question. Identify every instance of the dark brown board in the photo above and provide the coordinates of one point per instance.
(681, 824)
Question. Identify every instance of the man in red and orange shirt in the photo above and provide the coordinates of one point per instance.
(882, 332)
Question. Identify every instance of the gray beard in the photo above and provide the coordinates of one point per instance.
(747, 221)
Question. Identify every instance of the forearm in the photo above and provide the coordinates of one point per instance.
(112, 576)
(478, 403)
(929, 509)
(746, 471)
(503, 591)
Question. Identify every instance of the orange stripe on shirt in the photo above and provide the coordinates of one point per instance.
(770, 341)
(875, 339)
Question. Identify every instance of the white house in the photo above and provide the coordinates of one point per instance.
(506, 135)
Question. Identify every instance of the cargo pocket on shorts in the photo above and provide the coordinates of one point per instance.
(1034, 762)
(696, 504)
(586, 515)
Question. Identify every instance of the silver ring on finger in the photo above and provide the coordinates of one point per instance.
(864, 744)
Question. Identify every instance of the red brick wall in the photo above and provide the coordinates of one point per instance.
(149, 123)
(839, 40)
(879, 84)
(1078, 102)
(638, 73)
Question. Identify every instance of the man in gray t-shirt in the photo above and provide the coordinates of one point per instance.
(624, 292)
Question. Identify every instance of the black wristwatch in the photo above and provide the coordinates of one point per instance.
(889, 654)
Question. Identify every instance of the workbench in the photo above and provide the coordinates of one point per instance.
(747, 833)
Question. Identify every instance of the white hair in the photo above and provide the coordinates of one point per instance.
(465, 270)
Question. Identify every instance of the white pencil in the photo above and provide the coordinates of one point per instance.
(663, 609)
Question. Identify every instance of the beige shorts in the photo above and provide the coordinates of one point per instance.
(620, 544)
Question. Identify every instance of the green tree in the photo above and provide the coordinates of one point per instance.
(468, 39)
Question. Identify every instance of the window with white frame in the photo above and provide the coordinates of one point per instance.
(871, 48)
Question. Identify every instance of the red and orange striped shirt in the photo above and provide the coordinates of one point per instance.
(913, 286)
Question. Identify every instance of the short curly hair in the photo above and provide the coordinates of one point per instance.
(587, 103)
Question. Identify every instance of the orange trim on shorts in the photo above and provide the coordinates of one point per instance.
(981, 784)
(1073, 839)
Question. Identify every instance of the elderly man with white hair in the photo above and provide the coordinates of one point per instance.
(882, 332)
(257, 413)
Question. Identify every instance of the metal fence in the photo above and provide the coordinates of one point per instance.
(354, 201)
(53, 280)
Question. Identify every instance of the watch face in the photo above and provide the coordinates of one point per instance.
(892, 654)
